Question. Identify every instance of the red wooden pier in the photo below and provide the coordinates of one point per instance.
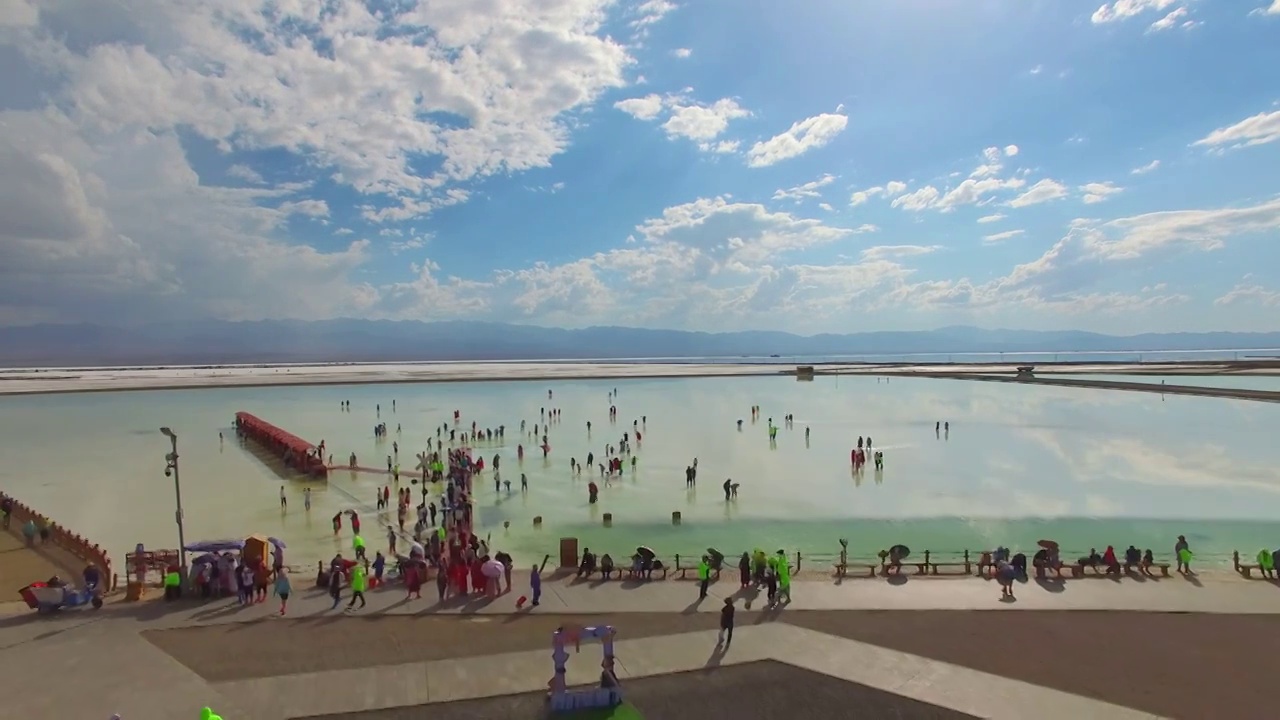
(293, 450)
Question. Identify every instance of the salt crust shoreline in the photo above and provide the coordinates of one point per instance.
(32, 381)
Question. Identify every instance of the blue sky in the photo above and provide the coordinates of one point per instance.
(817, 167)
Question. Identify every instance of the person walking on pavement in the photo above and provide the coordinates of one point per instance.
(358, 581)
(726, 623)
(335, 585)
(704, 576)
(535, 584)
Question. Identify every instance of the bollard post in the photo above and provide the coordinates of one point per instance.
(927, 566)
(677, 562)
(966, 561)
(797, 561)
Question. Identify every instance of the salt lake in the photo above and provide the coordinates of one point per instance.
(1084, 467)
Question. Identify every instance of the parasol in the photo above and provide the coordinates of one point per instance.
(215, 546)
(1048, 544)
(646, 552)
(277, 542)
(416, 549)
(491, 569)
(900, 551)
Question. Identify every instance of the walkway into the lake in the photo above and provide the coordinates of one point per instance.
(1149, 387)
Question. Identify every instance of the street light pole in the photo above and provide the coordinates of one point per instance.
(171, 468)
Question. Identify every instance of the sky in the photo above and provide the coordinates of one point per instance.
(717, 165)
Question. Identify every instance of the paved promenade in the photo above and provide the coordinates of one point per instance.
(883, 645)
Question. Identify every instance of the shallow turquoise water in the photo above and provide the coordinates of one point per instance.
(1084, 467)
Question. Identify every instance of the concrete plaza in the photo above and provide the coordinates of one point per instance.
(151, 659)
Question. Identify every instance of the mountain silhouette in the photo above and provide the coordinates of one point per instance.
(278, 341)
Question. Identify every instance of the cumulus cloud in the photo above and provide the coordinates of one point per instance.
(800, 138)
(702, 122)
(1043, 191)
(641, 108)
(1097, 192)
(688, 118)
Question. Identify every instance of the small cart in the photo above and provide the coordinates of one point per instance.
(43, 598)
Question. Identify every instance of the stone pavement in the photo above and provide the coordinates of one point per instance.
(1220, 593)
(20, 565)
(118, 671)
(933, 682)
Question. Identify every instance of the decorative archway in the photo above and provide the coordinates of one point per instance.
(604, 695)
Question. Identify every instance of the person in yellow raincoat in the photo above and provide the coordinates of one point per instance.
(1267, 563)
(207, 714)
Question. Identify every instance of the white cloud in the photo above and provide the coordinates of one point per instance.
(826, 206)
(245, 173)
(721, 147)
(1037, 70)
(1259, 129)
(1010, 150)
(1143, 170)
(682, 52)
(711, 257)
(1249, 293)
(920, 199)
(648, 107)
(413, 242)
(1043, 191)
(1273, 9)
(689, 118)
(1001, 237)
(651, 12)
(1124, 9)
(1063, 277)
(994, 217)
(309, 208)
(702, 122)
(363, 94)
(1177, 18)
(800, 138)
(885, 252)
(98, 227)
(811, 189)
(1096, 192)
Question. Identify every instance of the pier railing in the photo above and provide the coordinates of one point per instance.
(74, 543)
(936, 562)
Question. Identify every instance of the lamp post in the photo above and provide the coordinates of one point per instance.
(171, 469)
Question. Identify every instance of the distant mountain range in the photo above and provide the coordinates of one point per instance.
(218, 342)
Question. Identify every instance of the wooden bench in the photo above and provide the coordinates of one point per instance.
(1247, 570)
(1162, 567)
(633, 574)
(842, 569)
(921, 567)
(684, 573)
(966, 568)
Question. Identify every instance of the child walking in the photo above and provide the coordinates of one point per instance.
(282, 588)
